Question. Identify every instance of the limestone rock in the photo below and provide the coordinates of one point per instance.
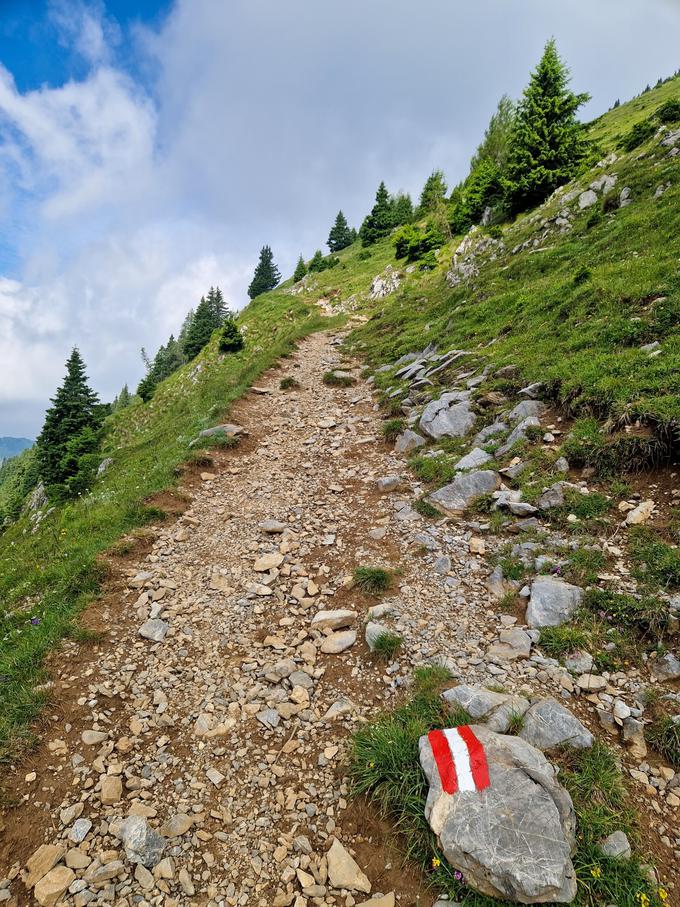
(450, 416)
(41, 862)
(465, 490)
(408, 441)
(476, 701)
(547, 725)
(338, 642)
(344, 871)
(552, 602)
(666, 667)
(336, 620)
(527, 409)
(51, 887)
(268, 562)
(142, 843)
(476, 458)
(154, 630)
(514, 839)
(616, 845)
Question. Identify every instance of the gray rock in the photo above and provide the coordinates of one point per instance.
(491, 431)
(526, 409)
(154, 630)
(476, 458)
(442, 565)
(579, 662)
(667, 667)
(374, 630)
(531, 391)
(476, 701)
(104, 465)
(616, 845)
(407, 441)
(465, 490)
(553, 497)
(142, 843)
(384, 284)
(562, 465)
(514, 839)
(521, 508)
(502, 717)
(547, 724)
(450, 416)
(388, 483)
(587, 199)
(79, 830)
(519, 433)
(38, 498)
(272, 527)
(552, 602)
(512, 644)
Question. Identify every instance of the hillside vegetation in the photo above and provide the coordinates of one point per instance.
(571, 296)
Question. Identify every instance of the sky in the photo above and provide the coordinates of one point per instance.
(148, 148)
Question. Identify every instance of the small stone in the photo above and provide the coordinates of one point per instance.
(343, 870)
(112, 790)
(616, 845)
(92, 738)
(338, 642)
(154, 630)
(593, 683)
(79, 830)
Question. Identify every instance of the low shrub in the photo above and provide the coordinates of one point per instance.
(638, 135)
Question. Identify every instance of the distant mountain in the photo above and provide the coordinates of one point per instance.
(10, 447)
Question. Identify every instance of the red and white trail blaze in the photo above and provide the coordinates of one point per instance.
(460, 759)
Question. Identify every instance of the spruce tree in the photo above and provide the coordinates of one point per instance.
(381, 219)
(215, 300)
(231, 339)
(548, 142)
(434, 192)
(300, 269)
(266, 276)
(497, 141)
(74, 412)
(201, 328)
(402, 209)
(317, 262)
(340, 236)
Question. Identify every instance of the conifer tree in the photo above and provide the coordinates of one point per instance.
(266, 276)
(300, 269)
(217, 305)
(434, 192)
(340, 236)
(497, 141)
(317, 262)
(231, 339)
(548, 142)
(381, 219)
(402, 209)
(74, 412)
(184, 330)
(201, 328)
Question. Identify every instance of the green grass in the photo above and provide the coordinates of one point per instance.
(386, 646)
(384, 768)
(664, 735)
(655, 562)
(559, 641)
(288, 383)
(392, 428)
(424, 508)
(373, 580)
(584, 566)
(219, 441)
(47, 577)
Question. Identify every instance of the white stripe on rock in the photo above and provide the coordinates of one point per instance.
(461, 759)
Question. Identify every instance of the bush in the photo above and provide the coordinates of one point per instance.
(669, 112)
(639, 134)
(231, 339)
(413, 243)
(392, 429)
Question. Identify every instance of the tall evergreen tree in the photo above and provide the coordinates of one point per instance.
(340, 236)
(402, 209)
(215, 300)
(548, 141)
(266, 276)
(74, 412)
(184, 330)
(497, 141)
(381, 219)
(201, 328)
(300, 269)
(434, 192)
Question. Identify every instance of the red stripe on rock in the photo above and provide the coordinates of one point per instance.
(478, 763)
(443, 758)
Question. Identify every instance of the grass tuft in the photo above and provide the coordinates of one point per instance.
(288, 383)
(664, 735)
(387, 645)
(334, 379)
(373, 580)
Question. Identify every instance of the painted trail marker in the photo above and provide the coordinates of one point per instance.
(461, 760)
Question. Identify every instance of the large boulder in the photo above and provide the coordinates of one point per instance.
(552, 602)
(450, 416)
(408, 441)
(548, 724)
(465, 489)
(514, 838)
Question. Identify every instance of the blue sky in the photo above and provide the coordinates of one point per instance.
(148, 150)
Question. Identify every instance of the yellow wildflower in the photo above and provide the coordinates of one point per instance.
(596, 872)
(436, 862)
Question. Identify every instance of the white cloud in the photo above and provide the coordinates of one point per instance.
(122, 198)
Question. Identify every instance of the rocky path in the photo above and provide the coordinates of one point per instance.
(202, 761)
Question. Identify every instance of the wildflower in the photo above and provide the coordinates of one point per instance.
(436, 862)
(371, 764)
(596, 872)
(663, 894)
(35, 621)
(458, 876)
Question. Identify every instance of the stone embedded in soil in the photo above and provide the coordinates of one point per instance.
(344, 871)
(142, 843)
(512, 840)
(40, 862)
(154, 630)
(548, 724)
(338, 642)
(617, 846)
(465, 489)
(450, 416)
(408, 441)
(336, 620)
(52, 886)
(552, 602)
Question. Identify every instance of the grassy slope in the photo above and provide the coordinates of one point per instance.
(582, 335)
(47, 576)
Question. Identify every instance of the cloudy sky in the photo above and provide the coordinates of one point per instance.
(148, 148)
